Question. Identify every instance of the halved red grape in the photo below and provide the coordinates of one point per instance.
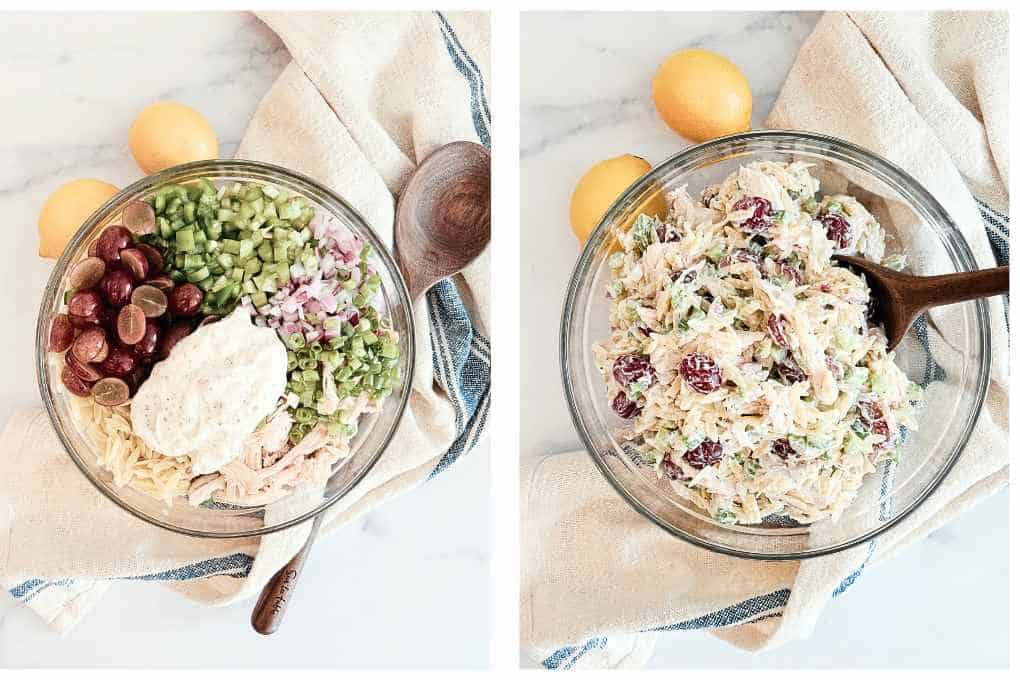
(61, 333)
(83, 322)
(666, 235)
(116, 287)
(688, 275)
(776, 325)
(185, 299)
(86, 372)
(139, 217)
(704, 454)
(624, 407)
(147, 346)
(789, 272)
(135, 262)
(837, 229)
(789, 371)
(836, 369)
(93, 248)
(114, 239)
(151, 299)
(172, 336)
(74, 384)
(91, 345)
(111, 392)
(760, 207)
(152, 254)
(871, 414)
(782, 448)
(630, 368)
(130, 324)
(163, 282)
(85, 303)
(700, 372)
(671, 469)
(741, 255)
(86, 273)
(120, 363)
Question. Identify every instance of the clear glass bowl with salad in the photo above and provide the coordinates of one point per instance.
(225, 348)
(947, 356)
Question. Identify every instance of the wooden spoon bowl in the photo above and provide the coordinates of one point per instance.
(900, 298)
(443, 215)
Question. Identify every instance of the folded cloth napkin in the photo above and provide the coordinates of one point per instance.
(366, 97)
(929, 92)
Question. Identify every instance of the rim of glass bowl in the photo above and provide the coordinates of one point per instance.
(253, 170)
(793, 141)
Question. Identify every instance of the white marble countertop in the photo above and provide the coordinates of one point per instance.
(585, 82)
(406, 586)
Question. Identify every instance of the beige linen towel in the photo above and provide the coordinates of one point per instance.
(930, 93)
(366, 97)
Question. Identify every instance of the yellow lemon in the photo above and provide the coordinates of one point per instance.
(167, 134)
(702, 95)
(603, 184)
(66, 209)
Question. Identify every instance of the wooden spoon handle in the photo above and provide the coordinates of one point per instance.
(946, 289)
(272, 603)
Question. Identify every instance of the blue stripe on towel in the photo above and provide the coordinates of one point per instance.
(237, 565)
(461, 364)
(932, 371)
(41, 586)
(734, 614)
(22, 589)
(599, 643)
(467, 67)
(752, 610)
(559, 656)
(997, 230)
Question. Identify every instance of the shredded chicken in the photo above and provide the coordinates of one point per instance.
(269, 467)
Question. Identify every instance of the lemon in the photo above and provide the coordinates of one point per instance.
(603, 184)
(167, 134)
(66, 209)
(702, 95)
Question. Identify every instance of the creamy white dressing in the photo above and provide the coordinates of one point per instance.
(211, 392)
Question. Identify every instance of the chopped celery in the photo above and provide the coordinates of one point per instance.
(265, 251)
(219, 284)
(191, 261)
(184, 240)
(198, 275)
(253, 266)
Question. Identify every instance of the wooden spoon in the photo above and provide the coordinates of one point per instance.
(900, 298)
(442, 225)
(443, 215)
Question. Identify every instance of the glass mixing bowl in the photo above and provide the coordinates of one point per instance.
(918, 227)
(374, 431)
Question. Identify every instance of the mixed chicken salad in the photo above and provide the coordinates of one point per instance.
(744, 359)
